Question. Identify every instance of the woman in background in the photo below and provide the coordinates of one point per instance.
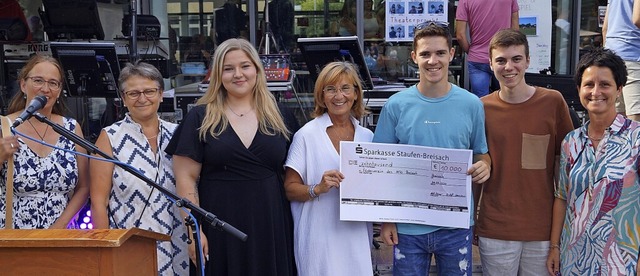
(347, 22)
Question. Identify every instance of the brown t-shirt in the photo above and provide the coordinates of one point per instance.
(523, 141)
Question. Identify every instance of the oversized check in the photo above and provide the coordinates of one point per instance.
(405, 183)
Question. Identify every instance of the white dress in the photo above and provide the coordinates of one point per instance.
(324, 245)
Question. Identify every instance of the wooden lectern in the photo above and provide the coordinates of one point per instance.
(79, 252)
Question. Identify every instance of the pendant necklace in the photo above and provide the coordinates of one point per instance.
(239, 114)
(37, 132)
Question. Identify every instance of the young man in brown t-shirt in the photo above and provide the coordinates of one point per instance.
(525, 126)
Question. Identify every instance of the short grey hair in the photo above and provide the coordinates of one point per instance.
(140, 69)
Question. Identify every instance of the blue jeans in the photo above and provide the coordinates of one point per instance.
(481, 78)
(452, 249)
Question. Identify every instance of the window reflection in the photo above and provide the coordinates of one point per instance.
(289, 20)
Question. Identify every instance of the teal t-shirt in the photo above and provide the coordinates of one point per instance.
(454, 121)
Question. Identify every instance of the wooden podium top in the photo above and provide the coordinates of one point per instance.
(74, 238)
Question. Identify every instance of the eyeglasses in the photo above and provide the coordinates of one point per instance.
(150, 93)
(39, 82)
(425, 24)
(331, 90)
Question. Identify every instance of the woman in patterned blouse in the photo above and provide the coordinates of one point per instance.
(119, 200)
(596, 225)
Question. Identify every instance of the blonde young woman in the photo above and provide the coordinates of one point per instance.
(228, 158)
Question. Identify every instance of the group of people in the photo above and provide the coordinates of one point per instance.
(238, 119)
(396, 32)
(550, 199)
(558, 200)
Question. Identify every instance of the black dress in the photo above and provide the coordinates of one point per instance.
(243, 187)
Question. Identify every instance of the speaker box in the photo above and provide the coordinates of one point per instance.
(148, 26)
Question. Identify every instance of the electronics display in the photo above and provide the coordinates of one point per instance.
(71, 19)
(563, 83)
(91, 69)
(276, 67)
(148, 26)
(318, 51)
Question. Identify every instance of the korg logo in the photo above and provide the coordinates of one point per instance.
(359, 149)
(38, 48)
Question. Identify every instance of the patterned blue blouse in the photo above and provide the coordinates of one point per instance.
(134, 203)
(41, 185)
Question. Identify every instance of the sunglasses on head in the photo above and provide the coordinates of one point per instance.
(425, 24)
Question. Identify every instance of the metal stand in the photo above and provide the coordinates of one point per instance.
(205, 216)
(133, 50)
(286, 86)
(277, 86)
(3, 82)
(191, 225)
(268, 34)
(83, 109)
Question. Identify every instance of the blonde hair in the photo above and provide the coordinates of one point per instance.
(332, 73)
(270, 120)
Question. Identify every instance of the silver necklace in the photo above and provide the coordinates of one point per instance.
(239, 114)
(347, 138)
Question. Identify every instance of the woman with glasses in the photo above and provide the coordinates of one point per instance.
(323, 244)
(50, 185)
(119, 200)
(228, 158)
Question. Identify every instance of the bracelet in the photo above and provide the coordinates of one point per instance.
(554, 246)
(312, 193)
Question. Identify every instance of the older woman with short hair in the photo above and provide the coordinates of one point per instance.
(119, 200)
(595, 228)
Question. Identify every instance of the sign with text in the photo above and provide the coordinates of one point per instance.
(535, 22)
(403, 15)
(405, 184)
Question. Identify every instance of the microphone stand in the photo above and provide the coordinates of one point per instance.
(133, 44)
(3, 82)
(180, 201)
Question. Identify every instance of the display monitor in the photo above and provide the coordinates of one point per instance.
(71, 19)
(563, 83)
(91, 68)
(319, 51)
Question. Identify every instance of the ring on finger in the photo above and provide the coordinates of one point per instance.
(11, 144)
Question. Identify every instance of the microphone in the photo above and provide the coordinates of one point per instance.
(36, 104)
